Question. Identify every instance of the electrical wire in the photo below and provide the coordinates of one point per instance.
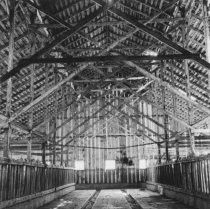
(87, 147)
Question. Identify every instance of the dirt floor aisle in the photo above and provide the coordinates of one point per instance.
(73, 200)
(114, 199)
(111, 199)
(152, 200)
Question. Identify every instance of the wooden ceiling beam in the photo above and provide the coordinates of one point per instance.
(60, 21)
(83, 108)
(165, 112)
(103, 107)
(139, 132)
(110, 23)
(58, 40)
(115, 58)
(136, 121)
(87, 90)
(113, 45)
(167, 85)
(130, 19)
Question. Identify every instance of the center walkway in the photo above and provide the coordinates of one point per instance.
(114, 199)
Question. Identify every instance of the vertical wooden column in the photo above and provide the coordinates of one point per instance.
(8, 130)
(206, 15)
(62, 120)
(55, 118)
(143, 130)
(158, 120)
(54, 140)
(32, 75)
(44, 152)
(175, 125)
(206, 10)
(44, 145)
(166, 120)
(69, 100)
(188, 88)
(158, 138)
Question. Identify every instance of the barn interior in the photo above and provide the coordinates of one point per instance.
(105, 101)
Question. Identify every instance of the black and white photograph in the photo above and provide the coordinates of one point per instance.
(104, 104)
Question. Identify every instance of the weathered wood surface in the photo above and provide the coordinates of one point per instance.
(111, 199)
(126, 175)
(192, 175)
(18, 180)
(152, 200)
(74, 200)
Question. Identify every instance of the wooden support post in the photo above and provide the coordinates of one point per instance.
(55, 119)
(47, 124)
(62, 130)
(188, 87)
(43, 152)
(48, 146)
(206, 9)
(32, 75)
(174, 112)
(69, 125)
(54, 141)
(62, 120)
(8, 130)
(166, 119)
(143, 129)
(166, 122)
(29, 147)
(158, 120)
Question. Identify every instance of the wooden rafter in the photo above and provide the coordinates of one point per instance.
(114, 58)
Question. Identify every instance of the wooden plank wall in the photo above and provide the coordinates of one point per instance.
(188, 175)
(114, 130)
(18, 180)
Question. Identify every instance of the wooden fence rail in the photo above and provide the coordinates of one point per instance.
(191, 175)
(18, 180)
(126, 175)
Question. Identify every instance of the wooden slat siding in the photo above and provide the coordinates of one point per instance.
(95, 155)
(22, 180)
(188, 175)
(205, 175)
(112, 157)
(208, 175)
(125, 178)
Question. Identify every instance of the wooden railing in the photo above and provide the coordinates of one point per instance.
(189, 175)
(18, 180)
(126, 175)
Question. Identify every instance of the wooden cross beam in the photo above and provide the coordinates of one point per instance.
(57, 41)
(167, 85)
(113, 45)
(83, 131)
(115, 58)
(126, 103)
(136, 93)
(98, 111)
(85, 121)
(69, 119)
(87, 90)
(132, 20)
(82, 110)
(58, 20)
(135, 120)
(165, 112)
(141, 132)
